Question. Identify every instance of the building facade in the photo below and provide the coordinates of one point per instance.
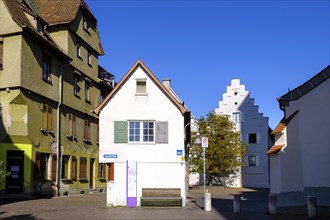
(143, 137)
(254, 129)
(50, 81)
(300, 158)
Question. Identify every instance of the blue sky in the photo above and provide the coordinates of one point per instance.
(272, 46)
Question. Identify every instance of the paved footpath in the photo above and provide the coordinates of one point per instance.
(93, 206)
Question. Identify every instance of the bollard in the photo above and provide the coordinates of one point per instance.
(237, 203)
(207, 205)
(272, 204)
(311, 206)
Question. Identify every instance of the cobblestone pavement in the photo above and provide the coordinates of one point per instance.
(254, 206)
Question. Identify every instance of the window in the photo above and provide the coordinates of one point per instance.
(86, 23)
(78, 48)
(83, 166)
(65, 167)
(1, 54)
(76, 87)
(147, 131)
(41, 166)
(252, 161)
(141, 86)
(71, 125)
(74, 168)
(87, 130)
(40, 27)
(46, 120)
(141, 131)
(87, 88)
(236, 117)
(89, 57)
(101, 170)
(252, 138)
(102, 96)
(46, 68)
(134, 131)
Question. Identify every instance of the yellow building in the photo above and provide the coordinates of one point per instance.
(50, 82)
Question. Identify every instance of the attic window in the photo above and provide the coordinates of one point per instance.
(141, 86)
(86, 23)
(40, 27)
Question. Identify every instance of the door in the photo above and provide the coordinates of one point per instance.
(15, 167)
(91, 174)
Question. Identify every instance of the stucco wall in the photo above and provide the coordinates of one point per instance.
(237, 99)
(158, 165)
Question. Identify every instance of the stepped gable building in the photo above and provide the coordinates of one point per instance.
(253, 126)
(50, 81)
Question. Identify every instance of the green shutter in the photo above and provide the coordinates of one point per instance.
(162, 132)
(120, 129)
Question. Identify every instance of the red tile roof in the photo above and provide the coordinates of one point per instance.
(275, 149)
(283, 123)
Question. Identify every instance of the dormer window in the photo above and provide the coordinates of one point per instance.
(78, 49)
(40, 27)
(86, 23)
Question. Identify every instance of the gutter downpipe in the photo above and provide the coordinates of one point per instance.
(58, 137)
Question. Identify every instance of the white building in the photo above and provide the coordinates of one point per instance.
(300, 158)
(254, 129)
(142, 133)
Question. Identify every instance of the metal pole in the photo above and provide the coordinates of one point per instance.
(204, 178)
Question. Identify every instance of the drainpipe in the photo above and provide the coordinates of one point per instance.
(58, 136)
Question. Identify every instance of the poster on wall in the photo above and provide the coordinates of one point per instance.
(131, 184)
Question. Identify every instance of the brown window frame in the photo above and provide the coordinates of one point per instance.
(102, 171)
(71, 125)
(46, 118)
(87, 130)
(83, 168)
(74, 168)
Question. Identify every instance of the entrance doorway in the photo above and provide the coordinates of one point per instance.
(15, 168)
(91, 174)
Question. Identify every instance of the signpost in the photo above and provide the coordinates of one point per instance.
(205, 144)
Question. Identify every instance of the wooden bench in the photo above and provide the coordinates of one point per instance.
(161, 197)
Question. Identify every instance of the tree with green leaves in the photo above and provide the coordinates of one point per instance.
(225, 150)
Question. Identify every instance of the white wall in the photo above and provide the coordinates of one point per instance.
(152, 159)
(314, 130)
(251, 122)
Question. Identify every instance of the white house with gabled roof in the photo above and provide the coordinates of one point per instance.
(142, 135)
(254, 129)
(300, 158)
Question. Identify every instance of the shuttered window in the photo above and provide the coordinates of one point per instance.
(141, 131)
(46, 118)
(120, 131)
(71, 125)
(162, 132)
(141, 86)
(87, 130)
(74, 168)
(83, 166)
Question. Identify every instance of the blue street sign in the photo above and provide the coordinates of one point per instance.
(179, 152)
(110, 155)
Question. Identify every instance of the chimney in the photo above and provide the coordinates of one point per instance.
(167, 83)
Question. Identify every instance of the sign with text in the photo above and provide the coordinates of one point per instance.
(110, 155)
(205, 142)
